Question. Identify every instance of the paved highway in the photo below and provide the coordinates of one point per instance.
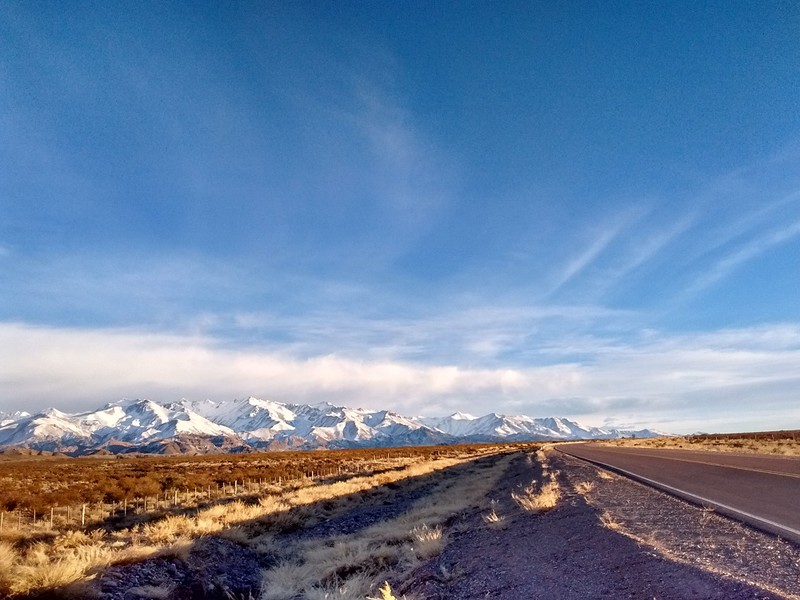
(761, 490)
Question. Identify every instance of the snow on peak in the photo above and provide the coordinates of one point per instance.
(460, 416)
(138, 421)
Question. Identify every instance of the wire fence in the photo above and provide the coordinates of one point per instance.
(58, 518)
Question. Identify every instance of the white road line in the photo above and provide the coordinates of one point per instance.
(712, 464)
(700, 499)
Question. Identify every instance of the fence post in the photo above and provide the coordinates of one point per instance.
(83, 515)
(51, 517)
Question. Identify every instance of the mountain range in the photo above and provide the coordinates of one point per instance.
(248, 424)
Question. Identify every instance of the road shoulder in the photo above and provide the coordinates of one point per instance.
(571, 552)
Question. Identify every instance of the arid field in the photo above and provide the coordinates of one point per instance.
(782, 443)
(469, 522)
(66, 520)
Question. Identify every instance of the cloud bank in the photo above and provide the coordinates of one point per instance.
(680, 383)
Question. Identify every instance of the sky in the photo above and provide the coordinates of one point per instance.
(578, 209)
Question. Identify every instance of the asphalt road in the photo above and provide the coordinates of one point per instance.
(763, 491)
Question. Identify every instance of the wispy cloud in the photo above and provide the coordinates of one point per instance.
(480, 335)
(737, 257)
(410, 180)
(589, 254)
(597, 245)
(649, 244)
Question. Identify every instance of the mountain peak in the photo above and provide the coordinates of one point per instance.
(460, 416)
(255, 423)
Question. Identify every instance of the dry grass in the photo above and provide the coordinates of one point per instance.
(609, 521)
(428, 541)
(47, 566)
(767, 443)
(494, 520)
(353, 566)
(538, 498)
(8, 559)
(584, 487)
(75, 556)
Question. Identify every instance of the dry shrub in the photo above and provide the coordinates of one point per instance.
(168, 529)
(494, 520)
(546, 497)
(608, 521)
(584, 487)
(72, 539)
(428, 541)
(47, 566)
(538, 501)
(39, 569)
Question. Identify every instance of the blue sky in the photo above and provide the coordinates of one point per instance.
(586, 209)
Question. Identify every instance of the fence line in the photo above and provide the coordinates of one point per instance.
(87, 514)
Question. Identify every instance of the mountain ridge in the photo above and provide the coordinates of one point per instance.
(249, 424)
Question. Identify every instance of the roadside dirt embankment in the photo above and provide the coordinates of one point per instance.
(607, 537)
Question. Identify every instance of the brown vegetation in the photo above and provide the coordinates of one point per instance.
(280, 493)
(352, 566)
(540, 496)
(52, 491)
(781, 443)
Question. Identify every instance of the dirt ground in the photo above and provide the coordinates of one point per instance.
(613, 539)
(651, 546)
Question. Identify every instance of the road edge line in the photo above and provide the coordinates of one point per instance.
(745, 517)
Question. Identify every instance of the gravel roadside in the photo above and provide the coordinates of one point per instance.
(613, 539)
(568, 552)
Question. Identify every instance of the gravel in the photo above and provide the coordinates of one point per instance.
(567, 553)
(652, 546)
(215, 569)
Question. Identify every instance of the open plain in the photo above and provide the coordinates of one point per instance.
(460, 522)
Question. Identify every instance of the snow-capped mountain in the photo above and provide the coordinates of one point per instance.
(524, 428)
(251, 423)
(128, 421)
(266, 420)
(7, 418)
